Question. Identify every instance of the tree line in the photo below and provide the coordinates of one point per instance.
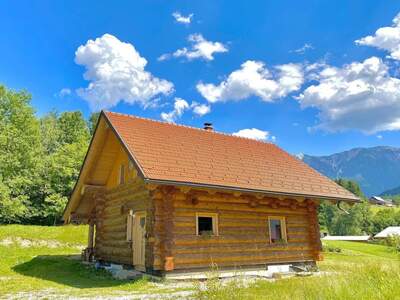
(360, 219)
(40, 159)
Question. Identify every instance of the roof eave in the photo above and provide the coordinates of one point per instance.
(238, 189)
(141, 172)
(63, 216)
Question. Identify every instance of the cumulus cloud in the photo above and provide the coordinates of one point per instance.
(180, 105)
(200, 109)
(116, 72)
(182, 19)
(385, 38)
(254, 79)
(360, 95)
(200, 49)
(254, 133)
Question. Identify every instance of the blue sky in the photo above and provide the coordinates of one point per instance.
(292, 70)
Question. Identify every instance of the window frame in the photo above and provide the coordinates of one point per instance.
(214, 218)
(282, 221)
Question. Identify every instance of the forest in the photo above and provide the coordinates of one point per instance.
(40, 159)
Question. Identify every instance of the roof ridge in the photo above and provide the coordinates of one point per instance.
(189, 127)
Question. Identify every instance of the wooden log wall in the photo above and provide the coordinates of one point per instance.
(243, 230)
(111, 243)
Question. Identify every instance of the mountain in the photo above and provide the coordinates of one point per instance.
(376, 169)
(391, 192)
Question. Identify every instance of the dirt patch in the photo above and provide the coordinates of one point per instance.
(52, 295)
(27, 243)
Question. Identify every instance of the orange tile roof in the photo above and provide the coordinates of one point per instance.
(186, 155)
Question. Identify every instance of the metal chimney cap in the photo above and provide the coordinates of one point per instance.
(208, 126)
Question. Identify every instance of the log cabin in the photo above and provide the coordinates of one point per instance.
(167, 198)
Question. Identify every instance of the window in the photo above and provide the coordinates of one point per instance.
(122, 174)
(206, 224)
(277, 229)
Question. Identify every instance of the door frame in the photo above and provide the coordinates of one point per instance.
(135, 246)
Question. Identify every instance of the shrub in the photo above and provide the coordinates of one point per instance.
(331, 249)
(393, 241)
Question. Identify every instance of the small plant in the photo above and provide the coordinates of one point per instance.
(220, 289)
(393, 241)
(332, 249)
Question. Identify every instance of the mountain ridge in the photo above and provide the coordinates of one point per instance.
(392, 192)
(376, 169)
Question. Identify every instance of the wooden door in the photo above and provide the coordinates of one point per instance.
(138, 240)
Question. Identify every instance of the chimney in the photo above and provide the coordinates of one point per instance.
(208, 127)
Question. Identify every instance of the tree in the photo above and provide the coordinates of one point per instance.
(20, 150)
(50, 132)
(73, 127)
(60, 167)
(40, 159)
(358, 220)
(352, 186)
(94, 117)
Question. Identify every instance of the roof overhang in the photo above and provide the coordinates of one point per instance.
(250, 191)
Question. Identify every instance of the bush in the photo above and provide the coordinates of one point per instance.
(331, 249)
(393, 241)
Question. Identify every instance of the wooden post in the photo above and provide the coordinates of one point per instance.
(168, 211)
(315, 239)
(91, 235)
(99, 200)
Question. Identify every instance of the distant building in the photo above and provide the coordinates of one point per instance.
(380, 201)
(352, 238)
(388, 231)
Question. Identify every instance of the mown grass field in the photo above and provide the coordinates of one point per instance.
(42, 262)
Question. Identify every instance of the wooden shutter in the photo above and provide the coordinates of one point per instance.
(129, 224)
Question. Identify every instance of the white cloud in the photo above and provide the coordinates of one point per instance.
(116, 72)
(64, 92)
(255, 134)
(253, 79)
(200, 49)
(361, 96)
(303, 49)
(164, 56)
(386, 38)
(200, 109)
(182, 19)
(180, 106)
(379, 137)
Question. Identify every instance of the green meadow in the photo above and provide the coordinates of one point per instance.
(43, 262)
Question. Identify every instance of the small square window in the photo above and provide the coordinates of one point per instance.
(206, 224)
(277, 229)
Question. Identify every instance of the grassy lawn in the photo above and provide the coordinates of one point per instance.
(359, 271)
(376, 208)
(44, 262)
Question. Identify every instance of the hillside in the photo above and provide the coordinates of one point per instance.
(376, 169)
